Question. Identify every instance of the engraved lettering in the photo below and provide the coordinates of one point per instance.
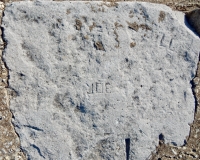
(91, 89)
(108, 88)
(165, 41)
(99, 87)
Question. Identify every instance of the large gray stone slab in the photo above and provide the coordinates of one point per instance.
(89, 77)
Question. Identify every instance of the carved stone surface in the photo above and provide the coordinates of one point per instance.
(98, 80)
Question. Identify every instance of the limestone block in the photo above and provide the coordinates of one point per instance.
(97, 80)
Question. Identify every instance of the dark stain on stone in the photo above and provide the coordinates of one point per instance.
(78, 24)
(161, 17)
(132, 44)
(133, 26)
(99, 46)
(81, 108)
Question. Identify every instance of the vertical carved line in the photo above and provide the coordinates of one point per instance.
(127, 141)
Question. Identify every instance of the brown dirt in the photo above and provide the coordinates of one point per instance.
(133, 26)
(132, 44)
(117, 25)
(161, 16)
(190, 151)
(181, 5)
(78, 24)
(9, 140)
(92, 26)
(99, 46)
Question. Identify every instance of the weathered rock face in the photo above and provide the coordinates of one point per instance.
(96, 80)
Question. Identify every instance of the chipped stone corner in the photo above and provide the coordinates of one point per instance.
(191, 148)
(9, 140)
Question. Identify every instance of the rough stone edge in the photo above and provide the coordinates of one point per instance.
(191, 149)
(14, 151)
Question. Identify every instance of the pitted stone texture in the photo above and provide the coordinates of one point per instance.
(87, 76)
